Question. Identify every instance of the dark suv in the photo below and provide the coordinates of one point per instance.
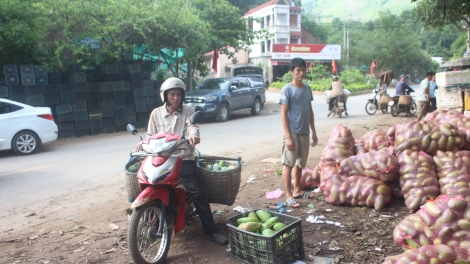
(217, 97)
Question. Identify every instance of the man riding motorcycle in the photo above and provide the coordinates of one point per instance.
(402, 88)
(172, 117)
(336, 91)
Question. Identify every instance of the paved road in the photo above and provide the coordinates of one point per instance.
(73, 166)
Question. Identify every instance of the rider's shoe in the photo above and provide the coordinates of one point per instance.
(219, 239)
(329, 113)
(346, 113)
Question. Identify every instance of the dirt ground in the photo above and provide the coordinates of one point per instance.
(88, 236)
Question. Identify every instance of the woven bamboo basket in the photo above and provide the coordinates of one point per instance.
(384, 99)
(220, 186)
(132, 184)
(405, 100)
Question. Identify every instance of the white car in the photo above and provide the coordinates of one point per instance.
(23, 127)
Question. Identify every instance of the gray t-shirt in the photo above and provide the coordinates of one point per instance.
(298, 113)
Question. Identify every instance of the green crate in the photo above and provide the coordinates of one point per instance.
(285, 246)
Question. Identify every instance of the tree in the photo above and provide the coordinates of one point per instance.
(438, 13)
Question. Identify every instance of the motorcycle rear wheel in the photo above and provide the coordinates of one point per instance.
(394, 110)
(413, 108)
(143, 248)
(371, 108)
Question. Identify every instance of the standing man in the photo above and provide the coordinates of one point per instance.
(296, 118)
(432, 90)
(423, 96)
(402, 88)
(172, 117)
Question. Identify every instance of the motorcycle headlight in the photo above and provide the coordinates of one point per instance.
(211, 98)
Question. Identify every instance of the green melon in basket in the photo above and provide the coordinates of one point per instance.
(224, 169)
(216, 167)
(222, 163)
(208, 167)
(134, 168)
(231, 167)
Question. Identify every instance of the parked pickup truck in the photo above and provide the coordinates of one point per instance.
(217, 97)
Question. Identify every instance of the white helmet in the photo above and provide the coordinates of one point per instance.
(172, 83)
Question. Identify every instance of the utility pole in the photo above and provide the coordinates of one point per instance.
(347, 44)
(189, 74)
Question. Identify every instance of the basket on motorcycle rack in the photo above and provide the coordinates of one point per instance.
(384, 99)
(405, 100)
(220, 186)
(132, 184)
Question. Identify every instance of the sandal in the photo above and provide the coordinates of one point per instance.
(305, 195)
(293, 203)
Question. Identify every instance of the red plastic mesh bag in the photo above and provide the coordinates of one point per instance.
(418, 179)
(375, 140)
(357, 191)
(307, 180)
(458, 184)
(449, 164)
(340, 145)
(436, 254)
(375, 164)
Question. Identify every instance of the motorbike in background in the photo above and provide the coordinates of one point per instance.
(338, 106)
(373, 103)
(399, 107)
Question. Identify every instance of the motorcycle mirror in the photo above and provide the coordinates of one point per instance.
(196, 117)
(131, 129)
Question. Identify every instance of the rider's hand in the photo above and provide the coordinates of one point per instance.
(314, 140)
(193, 140)
(289, 143)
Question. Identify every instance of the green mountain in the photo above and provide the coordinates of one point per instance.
(360, 10)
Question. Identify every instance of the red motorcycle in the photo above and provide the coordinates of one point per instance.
(162, 208)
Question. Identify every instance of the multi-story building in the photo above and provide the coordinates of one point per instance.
(282, 18)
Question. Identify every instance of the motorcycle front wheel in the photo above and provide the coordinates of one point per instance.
(144, 246)
(371, 108)
(394, 110)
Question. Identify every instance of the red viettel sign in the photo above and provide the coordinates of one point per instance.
(306, 51)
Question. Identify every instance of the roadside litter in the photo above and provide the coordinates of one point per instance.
(274, 194)
(319, 220)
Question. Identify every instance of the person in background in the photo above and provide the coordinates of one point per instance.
(432, 89)
(336, 90)
(402, 88)
(422, 96)
(296, 118)
(172, 117)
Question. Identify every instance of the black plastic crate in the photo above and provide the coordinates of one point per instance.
(143, 123)
(158, 84)
(140, 92)
(123, 69)
(79, 77)
(4, 92)
(67, 133)
(36, 100)
(118, 86)
(28, 79)
(74, 68)
(10, 69)
(64, 117)
(66, 77)
(120, 111)
(109, 121)
(112, 68)
(285, 246)
(79, 105)
(17, 90)
(149, 84)
(95, 122)
(82, 124)
(137, 76)
(82, 132)
(41, 79)
(108, 112)
(107, 95)
(109, 129)
(127, 86)
(40, 70)
(130, 109)
(150, 107)
(114, 77)
(67, 97)
(63, 108)
(80, 115)
(19, 98)
(121, 120)
(34, 90)
(120, 102)
(129, 101)
(149, 91)
(94, 105)
(121, 128)
(94, 96)
(132, 118)
(94, 87)
(151, 100)
(55, 77)
(89, 78)
(119, 94)
(137, 84)
(66, 126)
(12, 79)
(106, 87)
(103, 69)
(134, 68)
(80, 87)
(81, 96)
(66, 88)
(51, 99)
(107, 104)
(96, 131)
(27, 69)
(51, 89)
(140, 105)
